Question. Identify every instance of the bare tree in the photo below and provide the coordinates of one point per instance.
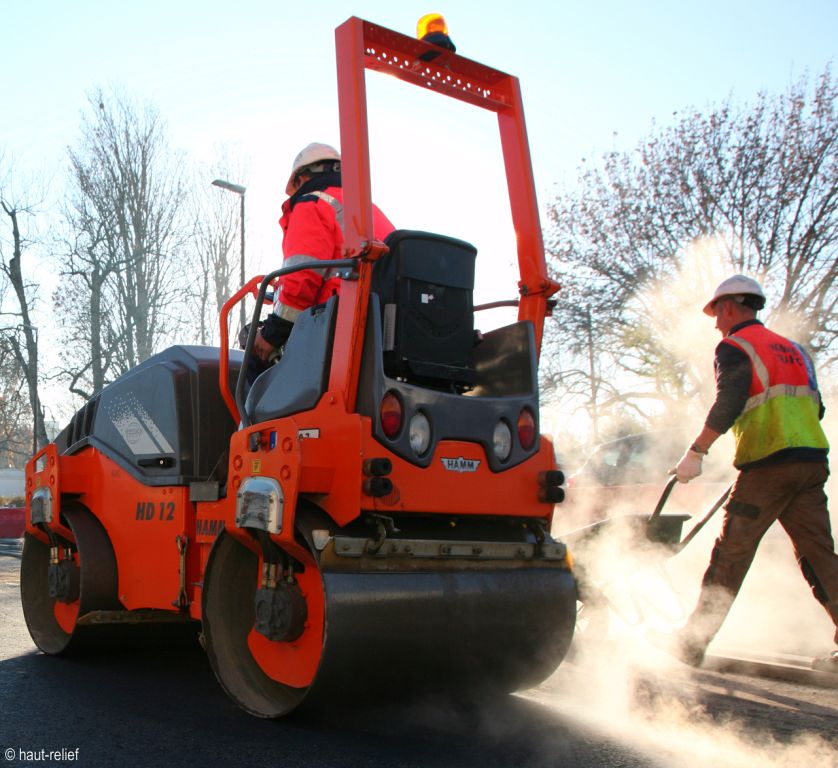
(215, 249)
(126, 244)
(751, 189)
(20, 337)
(83, 299)
(15, 412)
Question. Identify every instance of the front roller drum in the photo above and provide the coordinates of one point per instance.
(385, 632)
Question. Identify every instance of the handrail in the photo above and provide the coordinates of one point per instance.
(224, 357)
(236, 406)
(497, 304)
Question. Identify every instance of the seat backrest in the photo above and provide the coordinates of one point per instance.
(425, 284)
(299, 378)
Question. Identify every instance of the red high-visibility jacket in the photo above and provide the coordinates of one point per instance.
(313, 229)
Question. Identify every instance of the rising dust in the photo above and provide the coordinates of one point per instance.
(620, 683)
(623, 686)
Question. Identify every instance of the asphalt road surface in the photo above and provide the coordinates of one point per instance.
(158, 704)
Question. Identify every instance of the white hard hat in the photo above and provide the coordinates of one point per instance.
(738, 285)
(313, 153)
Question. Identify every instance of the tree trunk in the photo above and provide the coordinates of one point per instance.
(28, 361)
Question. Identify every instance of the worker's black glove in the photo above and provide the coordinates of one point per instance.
(245, 332)
(276, 330)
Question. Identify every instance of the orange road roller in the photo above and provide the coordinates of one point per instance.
(375, 510)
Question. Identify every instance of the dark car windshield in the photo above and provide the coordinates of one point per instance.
(630, 460)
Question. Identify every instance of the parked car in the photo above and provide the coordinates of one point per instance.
(629, 460)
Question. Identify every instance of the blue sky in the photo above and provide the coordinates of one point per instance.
(587, 69)
(258, 78)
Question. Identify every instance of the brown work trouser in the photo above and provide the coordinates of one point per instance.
(793, 494)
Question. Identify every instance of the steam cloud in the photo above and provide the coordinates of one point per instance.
(775, 613)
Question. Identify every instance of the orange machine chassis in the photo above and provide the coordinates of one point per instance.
(164, 539)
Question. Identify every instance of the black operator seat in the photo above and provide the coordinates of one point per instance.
(425, 285)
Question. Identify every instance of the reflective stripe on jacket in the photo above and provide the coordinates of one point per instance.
(783, 406)
(313, 229)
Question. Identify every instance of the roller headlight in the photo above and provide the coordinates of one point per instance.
(419, 431)
(502, 440)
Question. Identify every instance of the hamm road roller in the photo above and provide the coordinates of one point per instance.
(374, 512)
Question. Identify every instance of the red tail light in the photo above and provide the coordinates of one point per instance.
(391, 414)
(526, 429)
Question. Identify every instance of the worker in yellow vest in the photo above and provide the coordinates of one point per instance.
(767, 393)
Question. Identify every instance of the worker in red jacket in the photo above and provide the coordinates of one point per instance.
(312, 229)
(767, 394)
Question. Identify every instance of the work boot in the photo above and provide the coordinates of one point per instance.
(690, 651)
(678, 644)
(827, 663)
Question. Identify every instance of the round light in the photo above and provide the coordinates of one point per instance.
(526, 429)
(390, 412)
(502, 440)
(430, 23)
(419, 431)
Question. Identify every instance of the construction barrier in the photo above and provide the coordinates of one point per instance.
(11, 522)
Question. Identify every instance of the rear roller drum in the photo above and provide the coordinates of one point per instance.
(62, 582)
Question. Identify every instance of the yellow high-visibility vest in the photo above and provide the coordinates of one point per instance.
(782, 410)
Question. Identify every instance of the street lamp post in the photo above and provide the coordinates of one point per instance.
(239, 190)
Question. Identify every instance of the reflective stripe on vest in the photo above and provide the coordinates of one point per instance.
(285, 312)
(779, 416)
(336, 204)
(337, 207)
(768, 391)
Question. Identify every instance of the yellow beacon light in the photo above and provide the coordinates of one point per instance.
(431, 28)
(431, 22)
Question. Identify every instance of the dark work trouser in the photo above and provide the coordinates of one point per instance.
(793, 494)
